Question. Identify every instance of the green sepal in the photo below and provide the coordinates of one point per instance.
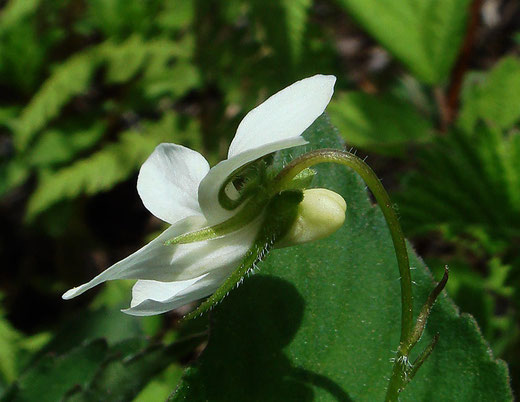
(246, 215)
(280, 214)
(302, 180)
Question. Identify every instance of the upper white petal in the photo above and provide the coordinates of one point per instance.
(284, 115)
(158, 262)
(274, 125)
(168, 182)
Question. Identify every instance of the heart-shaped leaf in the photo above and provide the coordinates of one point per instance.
(322, 319)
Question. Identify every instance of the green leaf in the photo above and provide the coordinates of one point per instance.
(12, 174)
(108, 324)
(493, 96)
(158, 60)
(112, 164)
(68, 80)
(425, 35)
(176, 16)
(284, 34)
(160, 387)
(382, 123)
(121, 18)
(95, 371)
(52, 376)
(466, 182)
(60, 145)
(8, 115)
(122, 378)
(296, 19)
(321, 320)
(9, 345)
(15, 11)
(167, 59)
(124, 60)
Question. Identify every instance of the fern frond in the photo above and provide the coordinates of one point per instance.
(296, 20)
(466, 181)
(492, 96)
(9, 344)
(68, 80)
(123, 61)
(15, 11)
(61, 144)
(284, 34)
(107, 167)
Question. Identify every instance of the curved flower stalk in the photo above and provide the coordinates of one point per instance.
(218, 216)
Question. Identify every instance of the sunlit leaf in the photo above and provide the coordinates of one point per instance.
(425, 35)
(493, 96)
(121, 379)
(68, 80)
(9, 339)
(382, 123)
(15, 11)
(52, 376)
(12, 174)
(61, 145)
(112, 164)
(466, 181)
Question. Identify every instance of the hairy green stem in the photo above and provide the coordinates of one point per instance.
(399, 373)
(382, 198)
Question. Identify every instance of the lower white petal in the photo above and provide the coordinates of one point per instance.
(159, 291)
(158, 262)
(152, 297)
(284, 115)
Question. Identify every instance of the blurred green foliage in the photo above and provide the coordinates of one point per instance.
(89, 88)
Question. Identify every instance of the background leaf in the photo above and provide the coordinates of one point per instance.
(425, 35)
(68, 80)
(121, 378)
(321, 320)
(57, 374)
(493, 96)
(111, 165)
(466, 181)
(383, 123)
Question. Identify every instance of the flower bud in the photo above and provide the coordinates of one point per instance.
(320, 214)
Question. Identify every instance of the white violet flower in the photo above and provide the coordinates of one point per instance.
(208, 239)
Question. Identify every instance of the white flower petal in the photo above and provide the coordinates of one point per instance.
(149, 262)
(284, 115)
(168, 182)
(159, 291)
(177, 262)
(274, 125)
(152, 297)
(210, 185)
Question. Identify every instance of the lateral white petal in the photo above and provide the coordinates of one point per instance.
(177, 262)
(149, 262)
(168, 182)
(211, 184)
(152, 297)
(284, 115)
